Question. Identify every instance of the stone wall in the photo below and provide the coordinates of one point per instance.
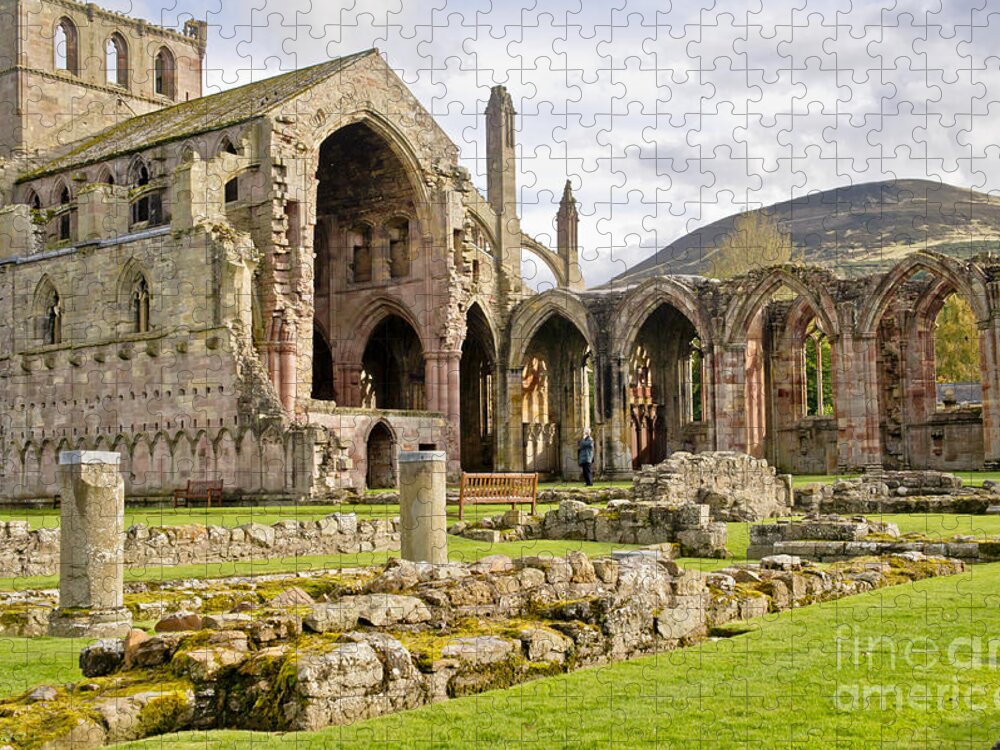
(26, 552)
(896, 492)
(834, 528)
(413, 634)
(623, 522)
(736, 487)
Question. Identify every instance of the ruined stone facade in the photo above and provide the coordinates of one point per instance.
(283, 285)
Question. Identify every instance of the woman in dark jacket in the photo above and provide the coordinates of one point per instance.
(585, 457)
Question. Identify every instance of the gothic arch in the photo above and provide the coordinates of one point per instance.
(66, 46)
(134, 297)
(745, 305)
(972, 286)
(532, 313)
(367, 319)
(636, 307)
(396, 142)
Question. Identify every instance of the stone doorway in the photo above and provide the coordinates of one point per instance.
(381, 456)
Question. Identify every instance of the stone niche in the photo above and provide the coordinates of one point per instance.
(735, 486)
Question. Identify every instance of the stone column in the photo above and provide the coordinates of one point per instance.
(613, 438)
(92, 548)
(422, 488)
(729, 384)
(856, 382)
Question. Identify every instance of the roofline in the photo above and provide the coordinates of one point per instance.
(43, 172)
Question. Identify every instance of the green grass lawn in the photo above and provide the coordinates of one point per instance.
(799, 681)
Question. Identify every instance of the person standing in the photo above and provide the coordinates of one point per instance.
(585, 457)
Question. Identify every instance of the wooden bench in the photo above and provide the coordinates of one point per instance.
(484, 489)
(198, 489)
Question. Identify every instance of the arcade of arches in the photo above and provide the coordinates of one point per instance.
(367, 298)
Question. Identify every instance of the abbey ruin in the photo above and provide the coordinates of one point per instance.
(283, 284)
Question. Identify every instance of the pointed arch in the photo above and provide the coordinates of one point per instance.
(367, 319)
(226, 145)
(33, 200)
(116, 71)
(748, 301)
(66, 52)
(533, 312)
(134, 297)
(105, 176)
(965, 278)
(138, 172)
(48, 313)
(165, 74)
(636, 307)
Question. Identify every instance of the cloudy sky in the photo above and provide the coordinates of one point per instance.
(664, 117)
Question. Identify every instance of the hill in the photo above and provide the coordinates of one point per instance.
(853, 230)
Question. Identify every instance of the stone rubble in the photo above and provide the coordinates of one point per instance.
(27, 552)
(443, 634)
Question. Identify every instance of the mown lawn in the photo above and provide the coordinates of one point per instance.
(920, 653)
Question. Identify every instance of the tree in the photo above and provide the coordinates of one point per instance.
(956, 343)
(755, 241)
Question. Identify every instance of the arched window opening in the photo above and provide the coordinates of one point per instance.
(956, 356)
(399, 248)
(33, 200)
(116, 61)
(106, 178)
(227, 147)
(380, 454)
(818, 400)
(148, 207)
(140, 305)
(233, 190)
(65, 224)
(360, 240)
(49, 314)
(66, 47)
(164, 74)
(393, 367)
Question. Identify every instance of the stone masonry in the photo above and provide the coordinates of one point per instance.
(257, 251)
(736, 487)
(409, 634)
(27, 552)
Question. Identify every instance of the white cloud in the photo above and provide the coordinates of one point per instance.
(664, 117)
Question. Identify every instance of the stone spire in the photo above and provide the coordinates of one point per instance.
(567, 246)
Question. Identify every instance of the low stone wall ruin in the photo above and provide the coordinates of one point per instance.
(27, 552)
(736, 487)
(897, 492)
(622, 522)
(415, 634)
(834, 538)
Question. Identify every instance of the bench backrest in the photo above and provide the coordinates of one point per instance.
(201, 486)
(502, 488)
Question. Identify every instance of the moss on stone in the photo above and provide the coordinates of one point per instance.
(164, 714)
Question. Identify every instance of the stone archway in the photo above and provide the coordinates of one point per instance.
(393, 369)
(556, 404)
(380, 455)
(665, 394)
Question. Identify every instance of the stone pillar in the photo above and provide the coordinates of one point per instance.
(989, 366)
(513, 444)
(616, 436)
(92, 548)
(422, 495)
(286, 366)
(729, 384)
(856, 382)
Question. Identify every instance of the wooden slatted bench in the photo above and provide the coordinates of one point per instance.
(198, 489)
(484, 489)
